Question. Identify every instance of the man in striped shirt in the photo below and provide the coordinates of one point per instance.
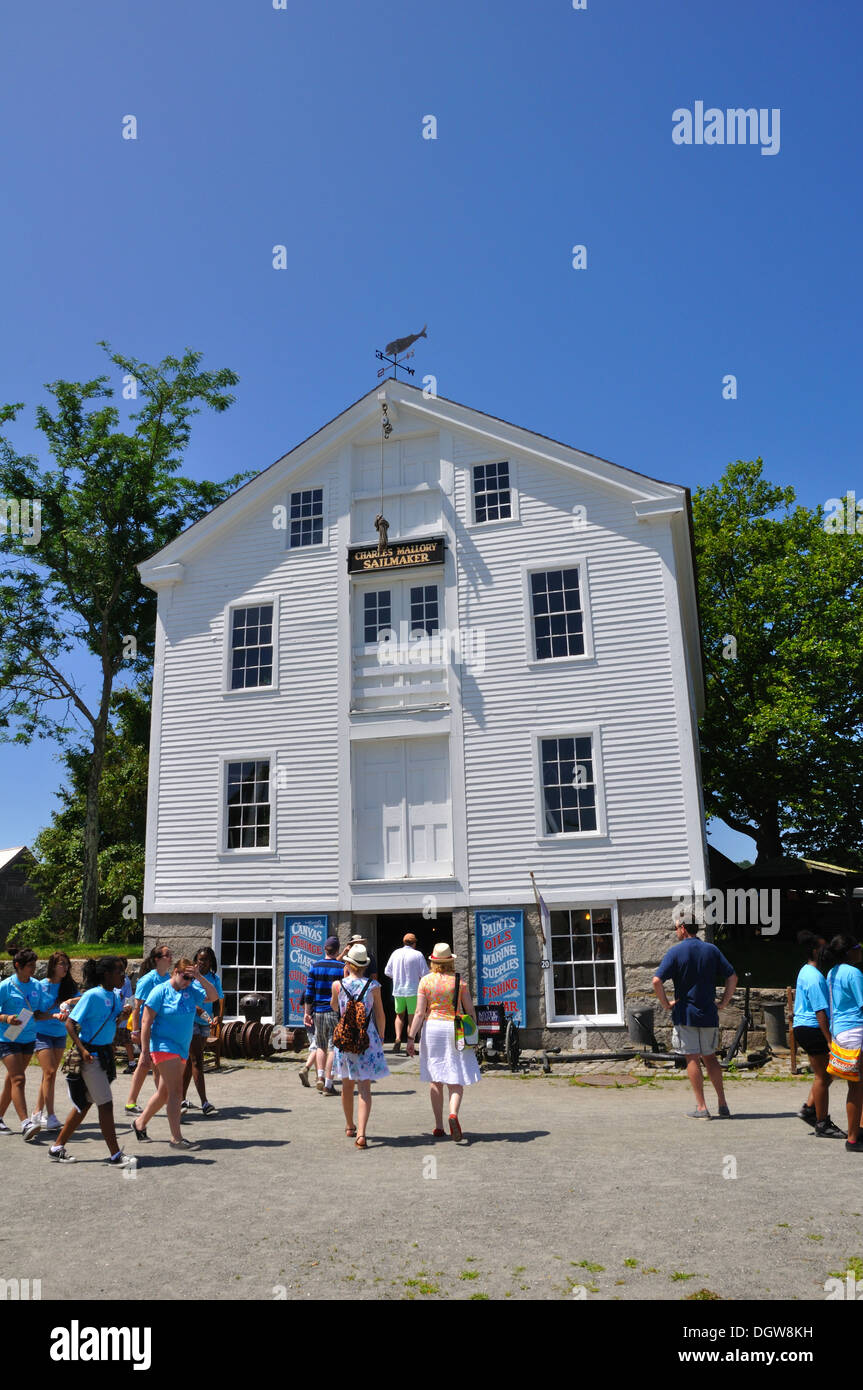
(319, 1013)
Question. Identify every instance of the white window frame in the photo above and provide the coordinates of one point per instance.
(577, 561)
(254, 601)
(217, 947)
(324, 543)
(513, 494)
(269, 851)
(586, 1020)
(592, 731)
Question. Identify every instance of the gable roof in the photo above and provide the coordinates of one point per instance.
(440, 413)
(8, 856)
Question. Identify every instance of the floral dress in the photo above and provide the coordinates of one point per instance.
(371, 1064)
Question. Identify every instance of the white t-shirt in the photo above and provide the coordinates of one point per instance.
(406, 968)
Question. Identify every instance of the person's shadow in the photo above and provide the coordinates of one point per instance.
(414, 1141)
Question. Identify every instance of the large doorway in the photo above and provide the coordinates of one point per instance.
(391, 928)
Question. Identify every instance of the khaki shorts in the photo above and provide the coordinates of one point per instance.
(97, 1084)
(694, 1042)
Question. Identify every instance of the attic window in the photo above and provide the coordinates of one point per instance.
(492, 500)
(307, 517)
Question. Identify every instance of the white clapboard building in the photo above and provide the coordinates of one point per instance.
(382, 730)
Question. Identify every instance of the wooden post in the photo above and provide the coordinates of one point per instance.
(792, 1041)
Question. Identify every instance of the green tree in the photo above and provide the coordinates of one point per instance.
(56, 876)
(781, 602)
(113, 499)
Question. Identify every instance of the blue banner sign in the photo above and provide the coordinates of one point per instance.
(500, 961)
(304, 944)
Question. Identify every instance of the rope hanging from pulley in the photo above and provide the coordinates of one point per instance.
(381, 523)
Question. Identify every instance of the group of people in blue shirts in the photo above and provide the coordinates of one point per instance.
(41, 1015)
(828, 1025)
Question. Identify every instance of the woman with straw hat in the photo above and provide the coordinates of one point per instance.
(361, 1068)
(442, 1063)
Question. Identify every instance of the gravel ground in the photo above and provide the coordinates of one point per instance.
(564, 1189)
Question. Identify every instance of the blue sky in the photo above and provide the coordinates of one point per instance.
(303, 127)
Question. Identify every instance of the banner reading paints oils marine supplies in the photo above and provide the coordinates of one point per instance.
(500, 961)
(304, 944)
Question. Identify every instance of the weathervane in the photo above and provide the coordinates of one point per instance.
(393, 350)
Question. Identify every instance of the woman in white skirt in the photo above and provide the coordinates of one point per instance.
(441, 1062)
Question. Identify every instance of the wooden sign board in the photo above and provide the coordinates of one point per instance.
(366, 559)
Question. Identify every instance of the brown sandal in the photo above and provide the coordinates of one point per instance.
(361, 1143)
(351, 1131)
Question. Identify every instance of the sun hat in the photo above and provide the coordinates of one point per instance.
(443, 952)
(356, 938)
(358, 955)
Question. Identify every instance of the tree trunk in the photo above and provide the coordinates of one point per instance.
(88, 927)
(768, 839)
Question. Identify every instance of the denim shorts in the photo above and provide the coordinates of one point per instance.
(44, 1040)
(200, 1030)
(10, 1049)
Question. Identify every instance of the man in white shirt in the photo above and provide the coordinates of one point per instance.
(405, 968)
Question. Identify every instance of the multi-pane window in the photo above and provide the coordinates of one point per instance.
(584, 978)
(246, 961)
(424, 609)
(252, 647)
(492, 499)
(307, 517)
(568, 785)
(248, 804)
(558, 617)
(377, 613)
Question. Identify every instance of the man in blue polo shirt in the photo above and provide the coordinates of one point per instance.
(317, 1002)
(694, 967)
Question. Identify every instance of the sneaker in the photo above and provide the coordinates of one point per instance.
(724, 1112)
(208, 1109)
(825, 1129)
(132, 1109)
(320, 1083)
(59, 1155)
(698, 1114)
(397, 1047)
(130, 1069)
(330, 1091)
(183, 1144)
(856, 1147)
(807, 1114)
(4, 1128)
(122, 1160)
(140, 1134)
(31, 1129)
(51, 1122)
(304, 1076)
(186, 1105)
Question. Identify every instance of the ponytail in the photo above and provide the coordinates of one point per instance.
(96, 970)
(836, 951)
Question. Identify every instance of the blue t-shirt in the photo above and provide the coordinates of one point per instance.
(209, 1004)
(694, 966)
(15, 996)
(845, 988)
(50, 1027)
(175, 1016)
(95, 1014)
(149, 981)
(810, 994)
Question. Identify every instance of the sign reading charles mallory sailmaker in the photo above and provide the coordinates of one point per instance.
(397, 556)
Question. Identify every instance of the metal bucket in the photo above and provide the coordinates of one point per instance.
(639, 1025)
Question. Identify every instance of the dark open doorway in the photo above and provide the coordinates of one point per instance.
(392, 927)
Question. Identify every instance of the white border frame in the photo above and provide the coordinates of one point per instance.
(574, 561)
(587, 1020)
(255, 601)
(224, 854)
(217, 947)
(594, 732)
